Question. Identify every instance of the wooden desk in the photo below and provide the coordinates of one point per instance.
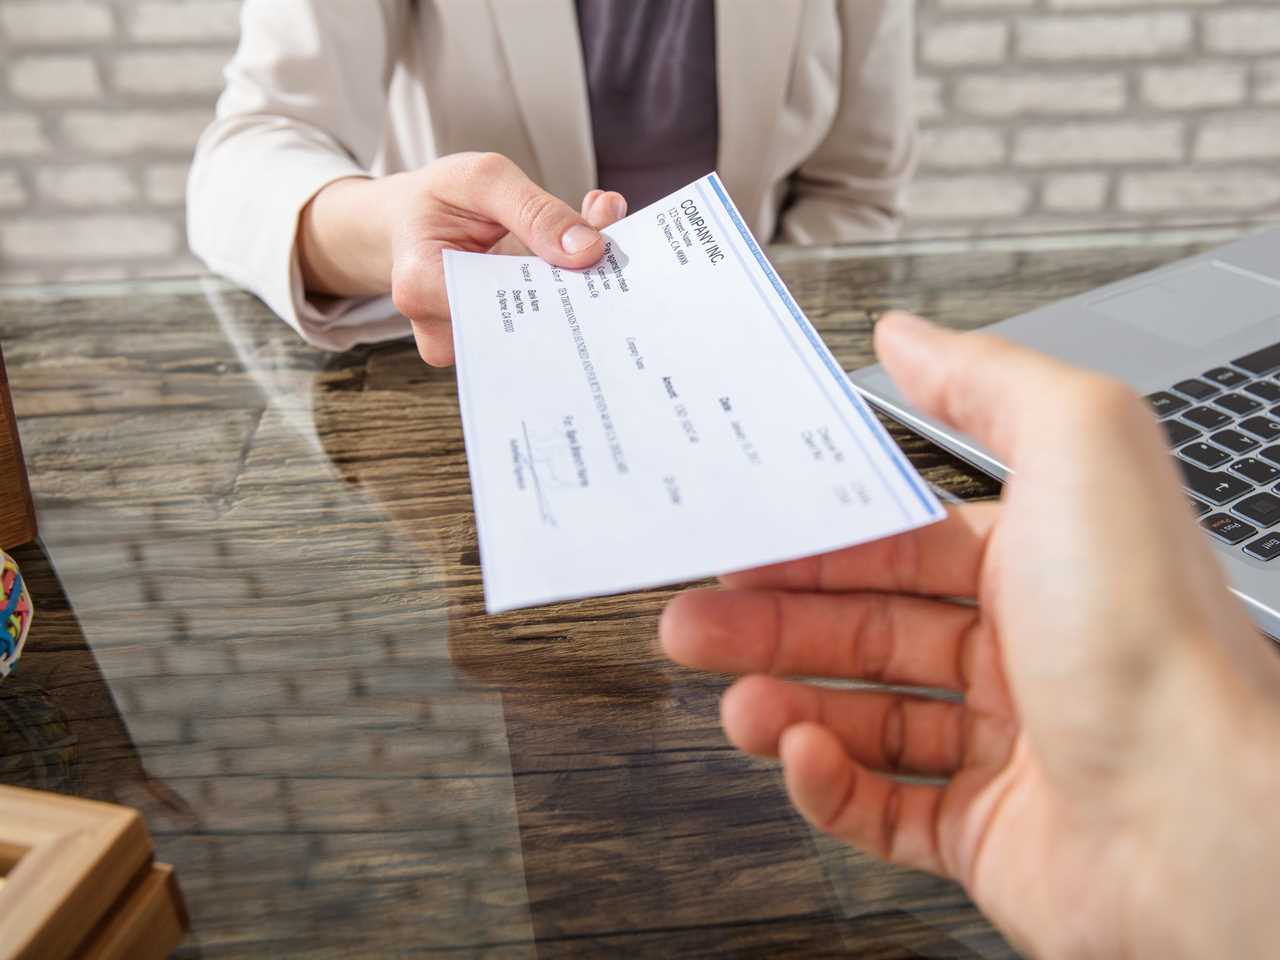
(271, 556)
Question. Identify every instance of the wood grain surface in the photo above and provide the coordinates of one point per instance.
(269, 558)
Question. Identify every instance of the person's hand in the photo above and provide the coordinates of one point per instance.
(1112, 776)
(367, 237)
(600, 209)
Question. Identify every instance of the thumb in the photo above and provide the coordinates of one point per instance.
(989, 388)
(493, 187)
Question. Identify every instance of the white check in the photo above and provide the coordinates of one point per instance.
(666, 415)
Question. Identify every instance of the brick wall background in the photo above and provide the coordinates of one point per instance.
(1038, 115)
(1078, 114)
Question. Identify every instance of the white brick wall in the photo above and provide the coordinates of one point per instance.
(38, 22)
(100, 105)
(1037, 115)
(1117, 36)
(1113, 113)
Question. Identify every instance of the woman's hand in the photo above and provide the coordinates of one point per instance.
(367, 237)
(1111, 774)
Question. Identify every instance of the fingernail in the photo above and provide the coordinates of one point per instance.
(619, 206)
(578, 238)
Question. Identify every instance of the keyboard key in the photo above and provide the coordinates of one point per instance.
(1225, 377)
(1237, 403)
(1272, 454)
(1195, 389)
(1261, 361)
(1228, 528)
(1256, 470)
(1215, 487)
(1234, 440)
(1178, 432)
(1164, 403)
(1207, 417)
(1198, 508)
(1266, 547)
(1264, 390)
(1264, 428)
(1262, 508)
(1204, 454)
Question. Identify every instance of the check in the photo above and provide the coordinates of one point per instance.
(666, 415)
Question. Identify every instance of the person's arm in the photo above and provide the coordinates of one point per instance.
(304, 106)
(852, 186)
(281, 199)
(1109, 764)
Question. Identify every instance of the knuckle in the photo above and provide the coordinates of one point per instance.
(407, 300)
(445, 175)
(413, 303)
(410, 287)
(537, 211)
(487, 165)
(872, 641)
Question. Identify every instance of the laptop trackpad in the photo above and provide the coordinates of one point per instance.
(1195, 306)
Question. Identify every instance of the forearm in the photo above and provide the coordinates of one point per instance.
(345, 237)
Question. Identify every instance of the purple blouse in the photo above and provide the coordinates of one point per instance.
(651, 81)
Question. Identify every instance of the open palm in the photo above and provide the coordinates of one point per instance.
(1067, 623)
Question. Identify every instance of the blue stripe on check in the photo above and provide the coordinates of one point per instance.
(890, 448)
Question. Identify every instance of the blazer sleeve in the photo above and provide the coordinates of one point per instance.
(304, 105)
(852, 186)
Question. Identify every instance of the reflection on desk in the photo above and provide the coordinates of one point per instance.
(273, 643)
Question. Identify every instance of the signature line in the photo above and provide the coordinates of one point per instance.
(547, 518)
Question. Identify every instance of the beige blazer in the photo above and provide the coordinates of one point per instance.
(817, 136)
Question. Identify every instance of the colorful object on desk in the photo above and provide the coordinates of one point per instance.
(16, 612)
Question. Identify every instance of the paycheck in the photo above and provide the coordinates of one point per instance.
(663, 416)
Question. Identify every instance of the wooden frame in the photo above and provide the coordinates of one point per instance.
(79, 881)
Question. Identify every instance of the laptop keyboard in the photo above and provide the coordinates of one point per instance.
(1224, 428)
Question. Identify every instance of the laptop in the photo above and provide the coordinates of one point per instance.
(1200, 338)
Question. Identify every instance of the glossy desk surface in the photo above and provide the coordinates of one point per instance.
(260, 622)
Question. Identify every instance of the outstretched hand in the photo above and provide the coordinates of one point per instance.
(367, 237)
(1112, 761)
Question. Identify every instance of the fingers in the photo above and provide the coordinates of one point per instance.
(434, 340)
(602, 208)
(492, 187)
(1003, 394)
(943, 559)
(892, 820)
(878, 637)
(418, 291)
(882, 731)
